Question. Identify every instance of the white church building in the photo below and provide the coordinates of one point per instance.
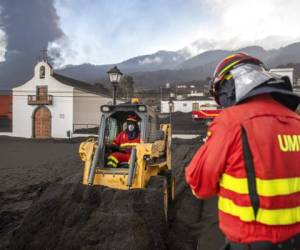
(54, 106)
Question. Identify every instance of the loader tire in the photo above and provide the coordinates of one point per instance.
(160, 184)
(171, 185)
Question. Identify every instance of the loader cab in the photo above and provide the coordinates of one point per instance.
(116, 123)
(113, 121)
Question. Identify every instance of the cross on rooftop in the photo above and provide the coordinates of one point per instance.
(44, 54)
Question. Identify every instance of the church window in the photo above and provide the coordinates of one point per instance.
(42, 72)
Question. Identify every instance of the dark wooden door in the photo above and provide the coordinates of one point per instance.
(42, 123)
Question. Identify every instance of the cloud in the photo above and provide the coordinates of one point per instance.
(148, 60)
(233, 24)
(255, 19)
(3, 44)
(59, 51)
(99, 32)
(3, 39)
(113, 31)
(235, 43)
(102, 32)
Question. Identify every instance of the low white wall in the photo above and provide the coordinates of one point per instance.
(87, 108)
(183, 105)
(184, 136)
(285, 72)
(6, 133)
(83, 135)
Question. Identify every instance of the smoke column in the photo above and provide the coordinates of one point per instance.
(29, 26)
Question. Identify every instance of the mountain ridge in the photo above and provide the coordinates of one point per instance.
(153, 70)
(198, 67)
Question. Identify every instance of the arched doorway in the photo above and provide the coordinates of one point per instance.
(42, 123)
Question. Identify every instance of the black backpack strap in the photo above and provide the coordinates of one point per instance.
(254, 198)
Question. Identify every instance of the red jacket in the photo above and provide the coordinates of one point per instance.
(122, 140)
(218, 167)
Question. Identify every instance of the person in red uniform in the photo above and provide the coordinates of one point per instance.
(251, 158)
(124, 142)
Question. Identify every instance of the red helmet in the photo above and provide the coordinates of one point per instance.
(221, 72)
(132, 118)
(240, 76)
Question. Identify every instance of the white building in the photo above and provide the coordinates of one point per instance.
(186, 105)
(285, 72)
(195, 93)
(52, 105)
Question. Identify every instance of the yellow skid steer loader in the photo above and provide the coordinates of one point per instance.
(150, 160)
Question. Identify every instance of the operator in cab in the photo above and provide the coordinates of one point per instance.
(123, 143)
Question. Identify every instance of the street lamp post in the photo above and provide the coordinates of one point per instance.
(171, 105)
(114, 75)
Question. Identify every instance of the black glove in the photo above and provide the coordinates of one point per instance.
(114, 147)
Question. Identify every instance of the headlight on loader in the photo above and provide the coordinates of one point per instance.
(142, 108)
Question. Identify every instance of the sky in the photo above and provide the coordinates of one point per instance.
(111, 31)
(108, 31)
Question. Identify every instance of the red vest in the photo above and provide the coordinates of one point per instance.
(218, 167)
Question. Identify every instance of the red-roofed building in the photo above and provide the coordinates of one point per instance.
(5, 111)
(6, 104)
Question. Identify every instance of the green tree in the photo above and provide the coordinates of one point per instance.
(127, 87)
(102, 87)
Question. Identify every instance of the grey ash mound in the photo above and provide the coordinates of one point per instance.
(71, 216)
(46, 207)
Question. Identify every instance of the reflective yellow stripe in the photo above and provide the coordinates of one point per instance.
(128, 145)
(267, 188)
(111, 163)
(228, 77)
(112, 158)
(244, 213)
(273, 217)
(228, 67)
